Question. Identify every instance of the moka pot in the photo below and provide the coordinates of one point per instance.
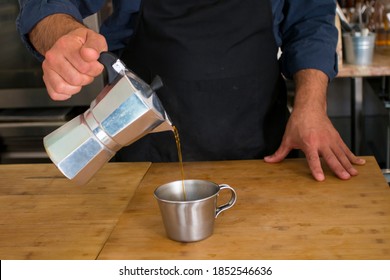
(125, 110)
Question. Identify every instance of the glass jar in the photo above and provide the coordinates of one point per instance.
(382, 25)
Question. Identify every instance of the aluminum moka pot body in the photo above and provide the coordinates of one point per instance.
(124, 111)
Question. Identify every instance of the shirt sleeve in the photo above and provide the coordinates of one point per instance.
(32, 11)
(308, 37)
(119, 26)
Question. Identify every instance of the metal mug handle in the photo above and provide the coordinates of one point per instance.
(230, 203)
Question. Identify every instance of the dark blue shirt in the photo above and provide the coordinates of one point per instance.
(304, 29)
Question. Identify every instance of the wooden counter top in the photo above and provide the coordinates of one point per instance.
(43, 215)
(380, 67)
(281, 213)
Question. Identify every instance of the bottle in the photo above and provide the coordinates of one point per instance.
(382, 25)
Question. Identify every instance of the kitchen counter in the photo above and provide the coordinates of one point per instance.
(43, 215)
(380, 67)
(281, 213)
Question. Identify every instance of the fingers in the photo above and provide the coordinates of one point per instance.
(339, 159)
(96, 42)
(279, 155)
(71, 63)
(314, 162)
(351, 157)
(57, 88)
(339, 164)
(62, 78)
(332, 149)
(343, 156)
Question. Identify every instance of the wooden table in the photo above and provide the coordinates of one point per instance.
(45, 216)
(379, 67)
(281, 213)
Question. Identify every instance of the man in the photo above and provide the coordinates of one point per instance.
(223, 86)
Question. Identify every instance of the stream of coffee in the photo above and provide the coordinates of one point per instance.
(178, 146)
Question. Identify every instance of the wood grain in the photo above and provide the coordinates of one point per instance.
(45, 216)
(281, 213)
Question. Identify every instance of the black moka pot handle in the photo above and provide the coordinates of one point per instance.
(113, 65)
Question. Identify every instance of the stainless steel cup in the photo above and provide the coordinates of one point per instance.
(191, 217)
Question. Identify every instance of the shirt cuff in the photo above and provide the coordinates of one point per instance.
(326, 62)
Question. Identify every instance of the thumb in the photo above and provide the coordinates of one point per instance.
(279, 155)
(93, 46)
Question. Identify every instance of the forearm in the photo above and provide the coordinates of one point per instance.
(50, 29)
(310, 90)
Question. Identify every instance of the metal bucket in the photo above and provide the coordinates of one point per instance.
(358, 48)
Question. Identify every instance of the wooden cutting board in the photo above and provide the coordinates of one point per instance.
(281, 213)
(45, 216)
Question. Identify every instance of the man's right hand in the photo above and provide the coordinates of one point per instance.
(70, 53)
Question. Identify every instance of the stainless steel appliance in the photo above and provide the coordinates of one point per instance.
(124, 111)
(27, 113)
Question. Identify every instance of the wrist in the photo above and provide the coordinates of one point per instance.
(50, 29)
(310, 90)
